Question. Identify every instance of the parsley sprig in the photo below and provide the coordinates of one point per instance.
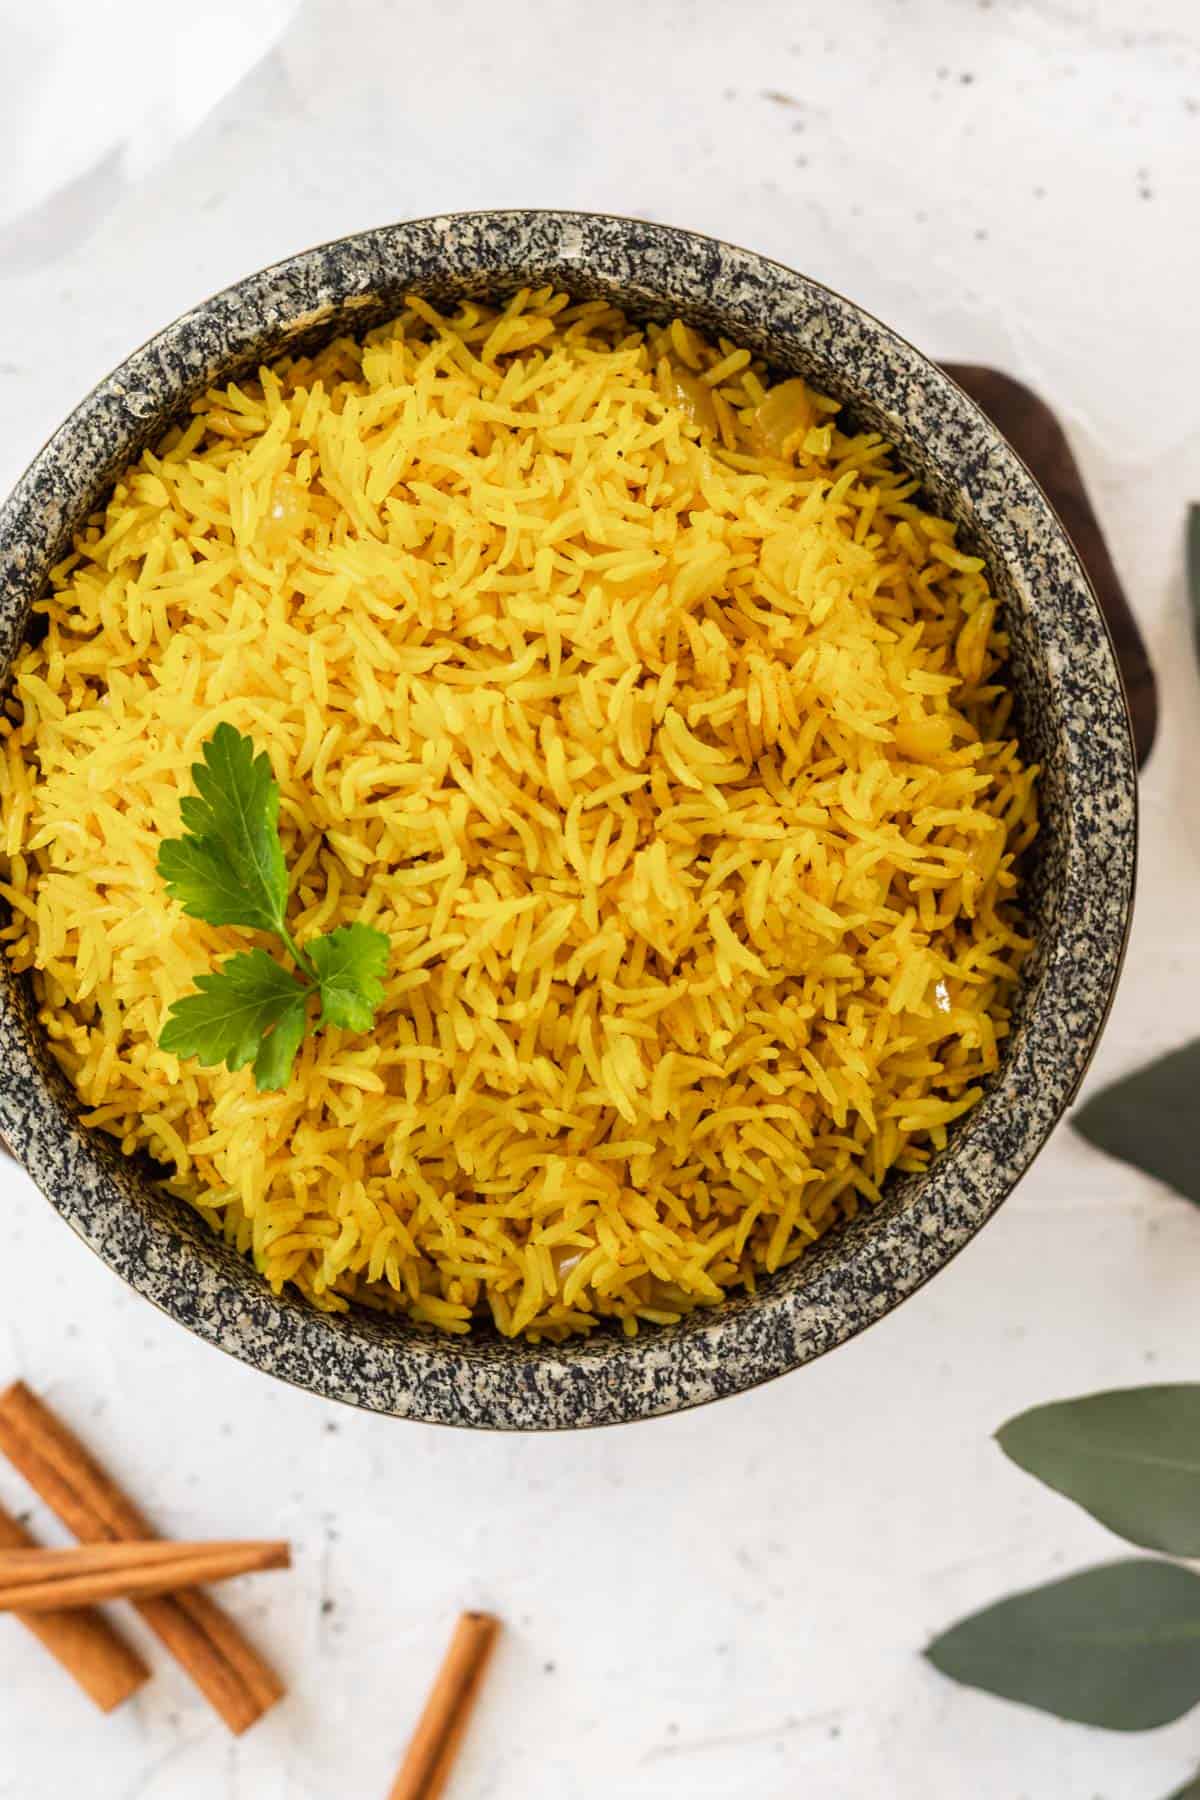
(228, 869)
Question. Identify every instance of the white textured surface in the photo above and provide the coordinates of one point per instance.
(729, 1603)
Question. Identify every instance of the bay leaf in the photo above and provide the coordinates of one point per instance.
(1130, 1457)
(1116, 1646)
(1149, 1119)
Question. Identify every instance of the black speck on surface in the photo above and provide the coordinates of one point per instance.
(673, 1729)
(966, 78)
(331, 1427)
(549, 1668)
(1039, 193)
(981, 234)
(327, 1606)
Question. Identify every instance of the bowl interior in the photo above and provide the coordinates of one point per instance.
(1069, 713)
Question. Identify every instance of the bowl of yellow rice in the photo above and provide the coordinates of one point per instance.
(701, 702)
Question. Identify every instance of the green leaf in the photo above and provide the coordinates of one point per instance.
(228, 869)
(1130, 1457)
(1190, 1792)
(1149, 1119)
(229, 1016)
(277, 1053)
(351, 963)
(1117, 1646)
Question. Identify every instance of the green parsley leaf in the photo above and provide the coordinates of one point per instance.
(229, 868)
(229, 1017)
(277, 1052)
(350, 964)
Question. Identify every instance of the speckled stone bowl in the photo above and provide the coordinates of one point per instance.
(1071, 715)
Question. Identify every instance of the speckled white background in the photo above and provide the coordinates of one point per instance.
(729, 1603)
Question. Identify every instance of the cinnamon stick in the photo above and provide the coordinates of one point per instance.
(83, 1642)
(205, 1642)
(33, 1564)
(436, 1741)
(42, 1580)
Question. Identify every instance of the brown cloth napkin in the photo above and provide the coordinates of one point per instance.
(1039, 440)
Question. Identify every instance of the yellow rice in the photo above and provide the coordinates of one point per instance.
(648, 713)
